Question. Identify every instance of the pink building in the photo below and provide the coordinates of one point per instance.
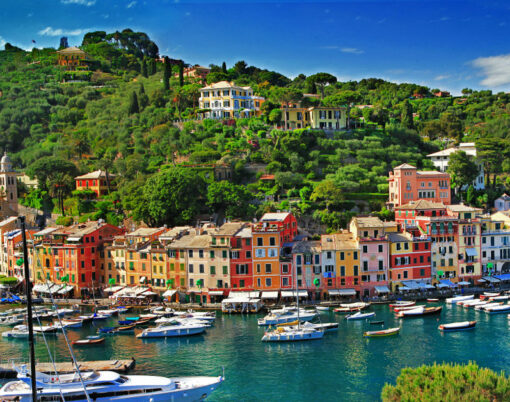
(406, 184)
(372, 236)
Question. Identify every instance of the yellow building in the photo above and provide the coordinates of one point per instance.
(297, 117)
(225, 100)
(328, 118)
(72, 57)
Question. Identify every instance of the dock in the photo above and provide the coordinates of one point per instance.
(119, 366)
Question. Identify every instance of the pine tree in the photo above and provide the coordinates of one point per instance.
(407, 115)
(152, 67)
(181, 73)
(224, 67)
(133, 104)
(144, 69)
(166, 74)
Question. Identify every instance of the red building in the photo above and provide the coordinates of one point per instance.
(241, 266)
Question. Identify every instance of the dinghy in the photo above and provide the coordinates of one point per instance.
(359, 316)
(457, 326)
(384, 332)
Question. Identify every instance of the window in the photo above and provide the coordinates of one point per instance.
(248, 254)
(381, 264)
(355, 255)
(225, 270)
(190, 268)
(258, 282)
(241, 283)
(190, 253)
(422, 272)
(298, 259)
(272, 241)
(201, 268)
(213, 270)
(356, 270)
(365, 249)
(272, 252)
(342, 271)
(83, 277)
(380, 248)
(285, 282)
(268, 268)
(328, 255)
(342, 255)
(285, 269)
(191, 283)
(260, 241)
(268, 282)
(219, 283)
(260, 252)
(405, 274)
(365, 265)
(224, 254)
(248, 242)
(258, 268)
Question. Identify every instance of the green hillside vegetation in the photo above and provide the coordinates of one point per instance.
(120, 117)
(448, 382)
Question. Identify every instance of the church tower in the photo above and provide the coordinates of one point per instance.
(9, 186)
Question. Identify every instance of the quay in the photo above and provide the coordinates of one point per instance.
(120, 366)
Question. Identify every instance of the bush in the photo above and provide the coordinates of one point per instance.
(64, 220)
(447, 382)
(9, 280)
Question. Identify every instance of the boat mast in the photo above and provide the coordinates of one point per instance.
(28, 292)
(297, 300)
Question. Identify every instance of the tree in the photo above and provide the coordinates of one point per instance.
(240, 67)
(143, 99)
(133, 106)
(327, 191)
(451, 126)
(172, 197)
(406, 116)
(152, 67)
(224, 68)
(462, 168)
(275, 116)
(46, 169)
(230, 199)
(286, 96)
(166, 74)
(321, 80)
(145, 72)
(181, 73)
(448, 382)
(491, 151)
(470, 196)
(60, 185)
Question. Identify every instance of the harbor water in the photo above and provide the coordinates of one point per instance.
(343, 366)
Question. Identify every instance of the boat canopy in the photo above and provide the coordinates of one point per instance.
(382, 289)
(448, 282)
(169, 293)
(269, 295)
(471, 252)
(292, 293)
(503, 277)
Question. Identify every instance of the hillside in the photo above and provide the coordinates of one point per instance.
(118, 116)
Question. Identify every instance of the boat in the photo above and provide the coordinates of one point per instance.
(398, 309)
(359, 316)
(457, 326)
(432, 300)
(402, 304)
(287, 316)
(499, 298)
(172, 331)
(383, 332)
(202, 315)
(482, 307)
(504, 308)
(456, 299)
(487, 295)
(420, 311)
(179, 321)
(326, 326)
(67, 324)
(46, 329)
(11, 321)
(346, 309)
(19, 331)
(351, 307)
(322, 308)
(474, 303)
(125, 329)
(90, 340)
(376, 322)
(109, 386)
(292, 334)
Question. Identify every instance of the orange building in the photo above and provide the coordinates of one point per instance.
(95, 181)
(406, 184)
(72, 57)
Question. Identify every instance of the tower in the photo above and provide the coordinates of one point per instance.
(9, 186)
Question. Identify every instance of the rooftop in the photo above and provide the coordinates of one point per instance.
(72, 49)
(339, 241)
(399, 237)
(144, 232)
(504, 197)
(368, 222)
(79, 230)
(274, 216)
(431, 172)
(224, 84)
(421, 204)
(8, 220)
(97, 174)
(229, 229)
(462, 208)
(468, 147)
(45, 231)
(307, 247)
(404, 166)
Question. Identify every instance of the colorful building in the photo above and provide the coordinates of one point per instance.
(225, 100)
(306, 258)
(406, 184)
(327, 118)
(241, 266)
(96, 181)
(495, 247)
(72, 57)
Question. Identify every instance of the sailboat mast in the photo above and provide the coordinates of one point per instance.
(297, 299)
(28, 292)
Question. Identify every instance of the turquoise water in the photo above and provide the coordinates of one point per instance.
(343, 366)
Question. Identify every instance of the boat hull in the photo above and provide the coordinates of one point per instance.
(172, 333)
(461, 326)
(379, 334)
(270, 337)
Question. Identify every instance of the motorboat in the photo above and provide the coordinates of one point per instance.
(109, 386)
(150, 316)
(65, 311)
(383, 332)
(322, 308)
(456, 299)
(398, 309)
(350, 307)
(172, 331)
(202, 315)
(108, 312)
(292, 334)
(402, 303)
(432, 300)
(45, 329)
(12, 320)
(487, 295)
(19, 331)
(67, 324)
(359, 316)
(474, 303)
(503, 308)
(179, 321)
(90, 340)
(274, 319)
(376, 322)
(482, 307)
(86, 318)
(420, 311)
(457, 326)
(499, 298)
(326, 326)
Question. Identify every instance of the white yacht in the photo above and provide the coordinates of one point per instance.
(172, 330)
(19, 331)
(109, 386)
(458, 298)
(293, 333)
(284, 316)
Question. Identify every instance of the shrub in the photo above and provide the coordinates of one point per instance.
(448, 382)
(64, 220)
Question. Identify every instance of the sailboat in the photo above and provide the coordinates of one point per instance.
(293, 333)
(101, 386)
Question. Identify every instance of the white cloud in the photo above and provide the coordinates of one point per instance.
(132, 4)
(86, 3)
(49, 31)
(442, 77)
(495, 68)
(351, 50)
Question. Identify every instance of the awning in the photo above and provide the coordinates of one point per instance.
(491, 279)
(449, 283)
(503, 277)
(143, 279)
(382, 289)
(413, 285)
(429, 286)
(442, 285)
(269, 295)
(140, 290)
(65, 289)
(216, 293)
(254, 294)
(169, 293)
(347, 292)
(471, 252)
(150, 293)
(292, 293)
(404, 287)
(113, 289)
(463, 283)
(73, 239)
(481, 280)
(235, 293)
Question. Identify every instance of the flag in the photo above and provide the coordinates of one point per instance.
(33, 41)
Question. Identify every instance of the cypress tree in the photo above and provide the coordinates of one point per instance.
(133, 104)
(224, 67)
(181, 73)
(166, 74)
(407, 115)
(143, 99)
(144, 69)
(152, 67)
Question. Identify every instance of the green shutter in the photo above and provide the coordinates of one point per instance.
(213, 270)
(225, 270)
(172, 267)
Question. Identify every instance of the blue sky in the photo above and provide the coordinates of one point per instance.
(447, 44)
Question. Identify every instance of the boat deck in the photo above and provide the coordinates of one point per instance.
(119, 366)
